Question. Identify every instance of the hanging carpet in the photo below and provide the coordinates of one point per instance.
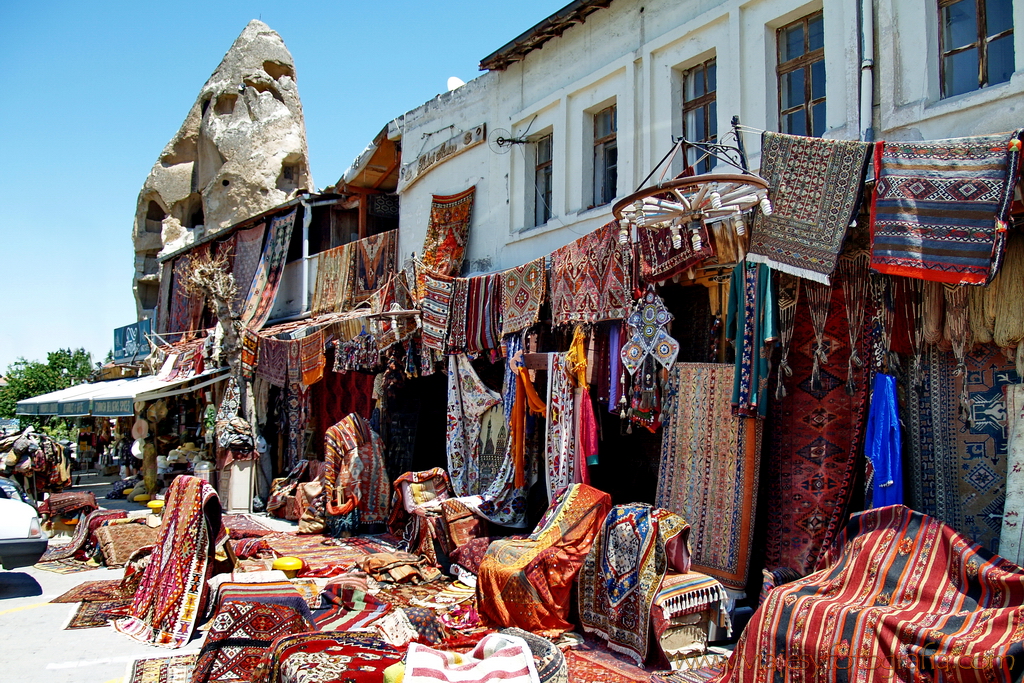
(957, 471)
(590, 278)
(435, 309)
(374, 260)
(523, 289)
(267, 278)
(814, 186)
(248, 248)
(940, 207)
(447, 234)
(709, 469)
(811, 458)
(1011, 537)
(659, 260)
(483, 313)
(334, 280)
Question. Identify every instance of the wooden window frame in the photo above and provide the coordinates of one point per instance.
(601, 143)
(981, 43)
(545, 167)
(804, 61)
(703, 101)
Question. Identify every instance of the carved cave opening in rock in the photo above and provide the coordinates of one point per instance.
(290, 177)
(225, 104)
(276, 70)
(150, 265)
(196, 218)
(154, 216)
(148, 294)
(260, 85)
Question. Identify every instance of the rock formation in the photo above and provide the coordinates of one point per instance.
(241, 151)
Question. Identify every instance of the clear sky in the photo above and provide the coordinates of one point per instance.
(90, 92)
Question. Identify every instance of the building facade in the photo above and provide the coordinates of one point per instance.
(588, 101)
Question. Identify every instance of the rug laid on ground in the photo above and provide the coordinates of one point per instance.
(92, 591)
(93, 614)
(815, 186)
(176, 669)
(940, 207)
(523, 289)
(590, 279)
(327, 559)
(349, 609)
(239, 635)
(77, 546)
(326, 657)
(597, 666)
(527, 583)
(956, 471)
(68, 566)
(709, 469)
(280, 593)
(901, 596)
(172, 588)
(244, 526)
(623, 572)
(817, 431)
(118, 541)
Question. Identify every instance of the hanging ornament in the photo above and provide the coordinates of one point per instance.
(649, 337)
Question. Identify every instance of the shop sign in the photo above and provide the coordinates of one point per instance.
(69, 408)
(112, 407)
(454, 146)
(130, 343)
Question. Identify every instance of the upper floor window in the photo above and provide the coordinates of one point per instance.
(542, 181)
(976, 40)
(606, 156)
(700, 112)
(801, 73)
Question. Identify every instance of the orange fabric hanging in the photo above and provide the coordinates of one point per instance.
(526, 399)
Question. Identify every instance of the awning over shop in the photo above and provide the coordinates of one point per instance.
(119, 401)
(115, 398)
(49, 403)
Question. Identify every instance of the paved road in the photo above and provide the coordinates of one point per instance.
(34, 648)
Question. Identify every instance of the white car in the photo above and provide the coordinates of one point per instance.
(22, 541)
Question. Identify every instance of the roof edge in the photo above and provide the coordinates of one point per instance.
(575, 12)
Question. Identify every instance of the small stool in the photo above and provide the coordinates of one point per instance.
(142, 498)
(289, 565)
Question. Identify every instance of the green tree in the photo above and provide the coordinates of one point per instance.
(63, 368)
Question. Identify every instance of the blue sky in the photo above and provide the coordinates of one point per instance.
(91, 92)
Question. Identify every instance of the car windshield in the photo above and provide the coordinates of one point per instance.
(11, 490)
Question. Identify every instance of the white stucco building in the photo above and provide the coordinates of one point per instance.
(593, 96)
